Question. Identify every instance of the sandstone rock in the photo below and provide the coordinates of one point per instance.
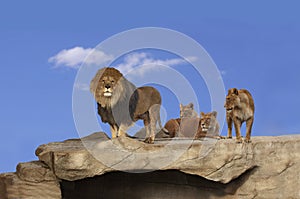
(212, 159)
(35, 171)
(70, 160)
(141, 134)
(273, 161)
(12, 187)
(269, 167)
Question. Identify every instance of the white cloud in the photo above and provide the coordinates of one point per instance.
(131, 61)
(191, 58)
(135, 60)
(82, 86)
(223, 72)
(74, 57)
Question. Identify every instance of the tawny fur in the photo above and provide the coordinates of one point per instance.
(186, 125)
(190, 125)
(208, 126)
(120, 103)
(172, 127)
(239, 107)
(187, 111)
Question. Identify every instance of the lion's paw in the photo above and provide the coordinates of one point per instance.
(239, 141)
(149, 140)
(247, 140)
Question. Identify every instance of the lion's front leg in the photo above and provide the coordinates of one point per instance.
(229, 124)
(123, 130)
(114, 131)
(237, 126)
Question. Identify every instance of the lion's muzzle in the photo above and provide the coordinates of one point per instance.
(107, 92)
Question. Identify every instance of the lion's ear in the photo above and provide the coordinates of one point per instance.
(214, 113)
(180, 106)
(233, 91)
(202, 114)
(191, 105)
(95, 80)
(93, 84)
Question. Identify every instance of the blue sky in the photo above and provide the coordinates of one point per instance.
(254, 43)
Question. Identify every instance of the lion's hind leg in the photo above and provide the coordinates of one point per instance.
(123, 130)
(149, 133)
(154, 118)
(249, 124)
(159, 120)
(146, 120)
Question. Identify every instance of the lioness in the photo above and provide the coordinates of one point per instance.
(178, 127)
(239, 107)
(187, 110)
(208, 126)
(120, 103)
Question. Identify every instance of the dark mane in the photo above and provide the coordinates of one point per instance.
(120, 103)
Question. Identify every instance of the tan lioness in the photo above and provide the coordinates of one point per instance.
(187, 113)
(208, 126)
(239, 107)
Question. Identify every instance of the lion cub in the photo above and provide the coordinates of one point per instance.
(239, 107)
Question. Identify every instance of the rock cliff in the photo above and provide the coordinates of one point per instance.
(97, 167)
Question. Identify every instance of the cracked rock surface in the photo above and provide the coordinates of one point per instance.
(269, 167)
(216, 160)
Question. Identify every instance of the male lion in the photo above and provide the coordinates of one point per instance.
(208, 126)
(239, 108)
(120, 103)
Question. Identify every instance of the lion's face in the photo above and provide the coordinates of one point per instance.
(187, 111)
(208, 121)
(106, 86)
(232, 100)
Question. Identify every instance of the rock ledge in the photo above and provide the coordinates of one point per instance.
(269, 167)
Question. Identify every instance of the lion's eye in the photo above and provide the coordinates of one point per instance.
(112, 81)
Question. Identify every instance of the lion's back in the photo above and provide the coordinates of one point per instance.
(142, 99)
(172, 127)
(189, 127)
(247, 98)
